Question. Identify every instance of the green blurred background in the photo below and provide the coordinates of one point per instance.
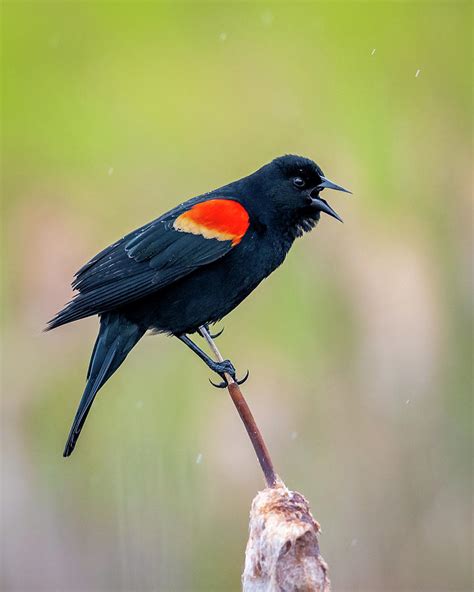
(359, 346)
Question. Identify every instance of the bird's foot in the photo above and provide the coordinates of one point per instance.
(223, 368)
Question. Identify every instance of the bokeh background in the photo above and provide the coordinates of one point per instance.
(359, 346)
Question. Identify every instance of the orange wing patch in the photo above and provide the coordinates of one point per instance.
(223, 219)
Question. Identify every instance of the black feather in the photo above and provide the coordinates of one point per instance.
(117, 336)
(138, 265)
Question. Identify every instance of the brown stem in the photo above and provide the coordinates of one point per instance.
(247, 418)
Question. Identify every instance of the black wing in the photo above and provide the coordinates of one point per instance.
(139, 264)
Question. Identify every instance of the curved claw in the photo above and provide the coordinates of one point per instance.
(216, 335)
(221, 385)
(225, 384)
(242, 380)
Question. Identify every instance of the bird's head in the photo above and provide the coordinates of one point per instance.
(292, 186)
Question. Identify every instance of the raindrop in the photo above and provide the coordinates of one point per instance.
(223, 37)
(267, 18)
(373, 52)
(417, 73)
(199, 459)
(110, 172)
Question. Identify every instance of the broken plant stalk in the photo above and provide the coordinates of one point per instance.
(283, 549)
(247, 418)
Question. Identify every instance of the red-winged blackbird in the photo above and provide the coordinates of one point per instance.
(192, 266)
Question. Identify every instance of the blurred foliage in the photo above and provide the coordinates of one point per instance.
(359, 347)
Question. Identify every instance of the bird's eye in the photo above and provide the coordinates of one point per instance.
(298, 182)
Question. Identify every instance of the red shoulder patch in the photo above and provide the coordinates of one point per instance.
(222, 219)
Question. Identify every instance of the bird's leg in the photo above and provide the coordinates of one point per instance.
(204, 331)
(212, 335)
(221, 368)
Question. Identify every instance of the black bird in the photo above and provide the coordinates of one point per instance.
(193, 265)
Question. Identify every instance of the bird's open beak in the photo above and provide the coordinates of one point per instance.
(322, 204)
(327, 184)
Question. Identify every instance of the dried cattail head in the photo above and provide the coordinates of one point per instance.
(282, 551)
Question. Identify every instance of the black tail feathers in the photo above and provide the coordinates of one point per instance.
(117, 336)
(73, 311)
